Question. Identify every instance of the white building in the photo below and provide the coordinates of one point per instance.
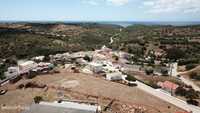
(173, 69)
(12, 71)
(109, 67)
(87, 70)
(115, 76)
(81, 54)
(95, 67)
(39, 58)
(27, 66)
(63, 107)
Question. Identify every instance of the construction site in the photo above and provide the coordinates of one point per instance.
(111, 96)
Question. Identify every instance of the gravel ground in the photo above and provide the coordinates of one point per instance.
(85, 87)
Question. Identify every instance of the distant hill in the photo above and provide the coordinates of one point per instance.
(33, 39)
(24, 40)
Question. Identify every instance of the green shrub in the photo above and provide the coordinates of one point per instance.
(130, 78)
(38, 99)
(189, 94)
(87, 58)
(193, 102)
(149, 71)
(164, 71)
(152, 84)
(195, 76)
(181, 91)
(175, 53)
(2, 75)
(190, 66)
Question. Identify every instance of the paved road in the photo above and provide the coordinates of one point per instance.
(111, 40)
(168, 98)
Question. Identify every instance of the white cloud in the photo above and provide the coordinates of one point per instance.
(91, 2)
(113, 2)
(169, 6)
(118, 2)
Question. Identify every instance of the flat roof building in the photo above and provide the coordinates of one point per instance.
(63, 107)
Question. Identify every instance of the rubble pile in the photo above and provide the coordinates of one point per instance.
(31, 85)
(128, 108)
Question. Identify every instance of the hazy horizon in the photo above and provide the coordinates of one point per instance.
(120, 23)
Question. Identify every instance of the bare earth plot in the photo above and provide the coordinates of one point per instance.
(85, 87)
(186, 74)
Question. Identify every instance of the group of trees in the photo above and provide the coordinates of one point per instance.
(190, 66)
(195, 76)
(38, 99)
(2, 76)
(5, 64)
(130, 78)
(28, 44)
(149, 71)
(190, 94)
(175, 54)
(87, 58)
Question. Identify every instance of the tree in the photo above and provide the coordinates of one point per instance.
(190, 66)
(115, 57)
(164, 71)
(2, 70)
(46, 58)
(195, 75)
(38, 99)
(192, 94)
(193, 102)
(181, 91)
(189, 94)
(175, 54)
(130, 78)
(149, 71)
(11, 61)
(87, 58)
(2, 75)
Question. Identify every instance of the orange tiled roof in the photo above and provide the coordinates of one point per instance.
(169, 85)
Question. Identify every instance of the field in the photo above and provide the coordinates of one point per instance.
(84, 87)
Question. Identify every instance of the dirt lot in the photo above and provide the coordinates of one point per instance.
(186, 74)
(84, 87)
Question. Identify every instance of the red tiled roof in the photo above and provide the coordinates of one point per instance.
(169, 85)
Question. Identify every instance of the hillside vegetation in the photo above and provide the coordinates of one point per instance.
(24, 40)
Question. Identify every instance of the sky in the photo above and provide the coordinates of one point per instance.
(100, 10)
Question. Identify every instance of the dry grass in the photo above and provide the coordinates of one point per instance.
(89, 88)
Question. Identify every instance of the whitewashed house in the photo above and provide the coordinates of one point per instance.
(173, 69)
(109, 67)
(87, 70)
(12, 71)
(27, 66)
(95, 67)
(38, 58)
(115, 76)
